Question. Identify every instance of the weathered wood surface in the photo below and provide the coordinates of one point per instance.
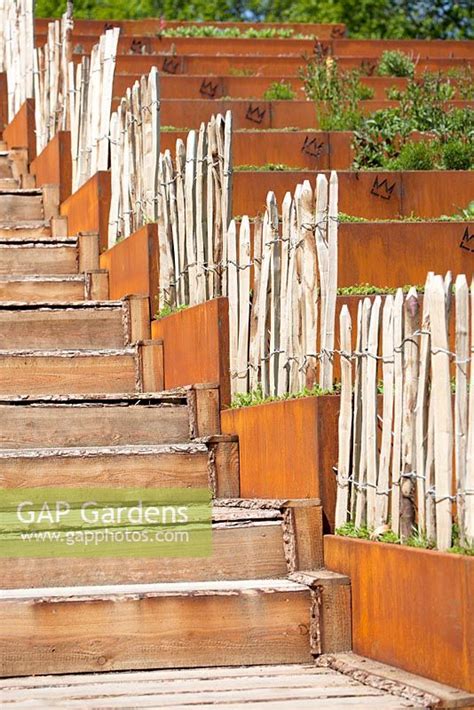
(92, 325)
(159, 625)
(94, 423)
(38, 258)
(241, 549)
(80, 371)
(283, 687)
(172, 465)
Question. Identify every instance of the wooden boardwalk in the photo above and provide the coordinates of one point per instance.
(288, 687)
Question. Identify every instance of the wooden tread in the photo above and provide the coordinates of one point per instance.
(28, 231)
(276, 687)
(80, 629)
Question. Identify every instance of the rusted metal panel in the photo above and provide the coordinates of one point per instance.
(133, 266)
(398, 253)
(287, 449)
(3, 101)
(88, 208)
(411, 608)
(196, 346)
(20, 132)
(54, 164)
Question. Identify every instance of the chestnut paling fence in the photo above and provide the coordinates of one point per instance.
(282, 288)
(406, 455)
(16, 51)
(51, 81)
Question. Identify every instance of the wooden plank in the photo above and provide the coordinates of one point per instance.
(47, 327)
(172, 466)
(345, 420)
(70, 425)
(443, 424)
(244, 550)
(116, 629)
(42, 289)
(410, 388)
(461, 397)
(68, 372)
(371, 410)
(38, 258)
(383, 479)
(398, 411)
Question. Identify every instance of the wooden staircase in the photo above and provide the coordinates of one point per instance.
(82, 406)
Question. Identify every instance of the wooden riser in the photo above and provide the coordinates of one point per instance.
(54, 289)
(93, 424)
(21, 205)
(8, 183)
(38, 259)
(69, 372)
(173, 466)
(25, 231)
(94, 326)
(154, 626)
(250, 550)
(5, 168)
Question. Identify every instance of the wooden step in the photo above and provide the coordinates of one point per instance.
(87, 324)
(5, 166)
(275, 687)
(30, 230)
(246, 544)
(163, 465)
(66, 421)
(69, 371)
(54, 288)
(53, 257)
(19, 205)
(8, 182)
(170, 625)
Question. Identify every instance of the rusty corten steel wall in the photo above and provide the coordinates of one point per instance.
(196, 346)
(287, 449)
(411, 608)
(88, 208)
(20, 132)
(373, 195)
(53, 166)
(394, 254)
(310, 150)
(133, 266)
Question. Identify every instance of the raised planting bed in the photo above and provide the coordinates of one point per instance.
(373, 195)
(133, 266)
(313, 150)
(288, 449)
(87, 209)
(196, 346)
(411, 608)
(53, 166)
(261, 65)
(209, 86)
